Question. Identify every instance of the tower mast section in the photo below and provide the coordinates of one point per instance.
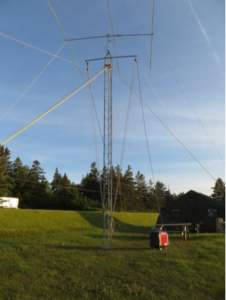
(108, 205)
(107, 155)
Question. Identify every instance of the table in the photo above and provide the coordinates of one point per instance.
(185, 228)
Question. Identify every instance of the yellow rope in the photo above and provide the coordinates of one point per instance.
(58, 104)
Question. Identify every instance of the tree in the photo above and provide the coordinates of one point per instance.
(55, 184)
(117, 179)
(60, 189)
(158, 196)
(65, 194)
(56, 189)
(168, 196)
(77, 202)
(141, 191)
(129, 193)
(37, 187)
(180, 194)
(128, 189)
(3, 183)
(5, 172)
(19, 176)
(219, 191)
(90, 184)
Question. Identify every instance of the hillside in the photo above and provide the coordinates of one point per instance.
(58, 255)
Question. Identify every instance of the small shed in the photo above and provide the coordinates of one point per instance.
(6, 202)
(193, 208)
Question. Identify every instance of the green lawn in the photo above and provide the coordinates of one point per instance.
(58, 255)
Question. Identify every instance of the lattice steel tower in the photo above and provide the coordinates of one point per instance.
(108, 221)
(107, 155)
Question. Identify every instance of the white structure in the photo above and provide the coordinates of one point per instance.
(6, 202)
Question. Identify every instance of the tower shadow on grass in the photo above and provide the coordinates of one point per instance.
(99, 248)
(96, 220)
(123, 237)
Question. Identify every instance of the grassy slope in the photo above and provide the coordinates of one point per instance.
(58, 255)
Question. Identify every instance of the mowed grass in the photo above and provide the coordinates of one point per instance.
(59, 255)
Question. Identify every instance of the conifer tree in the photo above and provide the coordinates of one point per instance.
(141, 191)
(90, 184)
(36, 187)
(159, 195)
(65, 192)
(56, 181)
(5, 172)
(3, 183)
(219, 191)
(128, 189)
(117, 179)
(19, 175)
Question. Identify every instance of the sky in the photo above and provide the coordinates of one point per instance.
(187, 80)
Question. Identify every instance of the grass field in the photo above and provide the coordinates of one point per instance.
(58, 255)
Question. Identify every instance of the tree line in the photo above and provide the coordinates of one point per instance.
(129, 192)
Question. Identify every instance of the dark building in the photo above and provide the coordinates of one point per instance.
(193, 208)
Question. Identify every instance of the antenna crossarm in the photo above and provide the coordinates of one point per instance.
(111, 57)
(108, 36)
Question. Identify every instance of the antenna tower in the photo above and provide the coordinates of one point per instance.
(107, 155)
(108, 221)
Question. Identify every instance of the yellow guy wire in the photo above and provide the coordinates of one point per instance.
(58, 104)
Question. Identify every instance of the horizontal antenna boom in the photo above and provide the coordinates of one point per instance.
(108, 35)
(110, 57)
